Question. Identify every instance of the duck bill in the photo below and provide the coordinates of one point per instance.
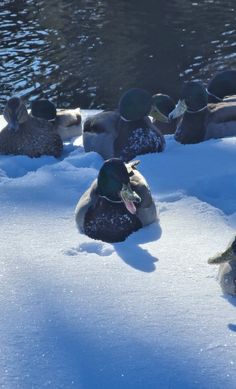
(157, 115)
(179, 110)
(129, 197)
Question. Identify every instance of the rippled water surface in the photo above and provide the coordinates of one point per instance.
(86, 52)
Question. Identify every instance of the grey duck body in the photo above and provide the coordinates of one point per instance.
(99, 133)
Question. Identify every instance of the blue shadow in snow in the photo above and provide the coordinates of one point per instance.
(136, 256)
(84, 345)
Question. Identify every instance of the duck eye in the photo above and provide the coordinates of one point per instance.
(130, 174)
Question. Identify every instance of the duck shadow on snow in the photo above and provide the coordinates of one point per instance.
(136, 256)
(129, 251)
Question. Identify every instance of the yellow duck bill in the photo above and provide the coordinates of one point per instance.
(129, 197)
(179, 110)
(157, 115)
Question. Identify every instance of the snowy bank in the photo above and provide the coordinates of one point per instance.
(146, 313)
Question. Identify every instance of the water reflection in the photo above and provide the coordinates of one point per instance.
(86, 52)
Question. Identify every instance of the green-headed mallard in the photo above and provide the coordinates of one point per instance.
(221, 86)
(202, 121)
(67, 122)
(117, 203)
(227, 270)
(27, 135)
(162, 105)
(124, 133)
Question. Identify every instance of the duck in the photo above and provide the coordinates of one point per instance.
(162, 105)
(227, 269)
(26, 135)
(222, 87)
(125, 132)
(202, 121)
(118, 203)
(67, 122)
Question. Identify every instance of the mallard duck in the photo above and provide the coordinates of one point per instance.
(67, 122)
(124, 133)
(162, 105)
(202, 121)
(117, 203)
(27, 135)
(227, 270)
(222, 87)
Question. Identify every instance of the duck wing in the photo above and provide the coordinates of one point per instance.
(222, 112)
(68, 123)
(221, 121)
(229, 99)
(146, 209)
(88, 199)
(68, 117)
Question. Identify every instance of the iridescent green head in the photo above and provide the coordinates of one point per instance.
(113, 183)
(193, 98)
(135, 104)
(221, 85)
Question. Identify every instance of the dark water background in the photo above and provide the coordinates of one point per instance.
(86, 52)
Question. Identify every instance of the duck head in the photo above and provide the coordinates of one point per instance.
(44, 109)
(193, 98)
(221, 85)
(135, 104)
(162, 105)
(114, 183)
(15, 113)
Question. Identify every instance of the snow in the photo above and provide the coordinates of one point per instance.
(145, 313)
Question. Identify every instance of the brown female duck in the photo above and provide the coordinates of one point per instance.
(26, 135)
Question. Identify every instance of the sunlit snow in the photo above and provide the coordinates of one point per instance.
(145, 313)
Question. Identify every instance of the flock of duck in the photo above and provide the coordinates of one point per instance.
(119, 201)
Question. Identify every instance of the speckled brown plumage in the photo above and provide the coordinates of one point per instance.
(33, 137)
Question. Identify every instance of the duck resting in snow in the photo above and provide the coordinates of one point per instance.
(117, 203)
(26, 135)
(67, 122)
(227, 270)
(126, 132)
(202, 121)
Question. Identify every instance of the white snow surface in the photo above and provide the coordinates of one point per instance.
(144, 313)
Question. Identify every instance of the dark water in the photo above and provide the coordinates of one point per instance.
(86, 52)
